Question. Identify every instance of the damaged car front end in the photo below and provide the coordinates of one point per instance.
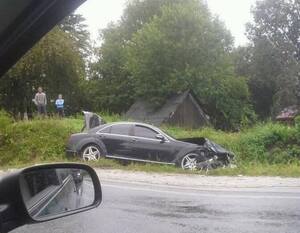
(215, 157)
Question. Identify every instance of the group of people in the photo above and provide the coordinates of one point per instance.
(40, 100)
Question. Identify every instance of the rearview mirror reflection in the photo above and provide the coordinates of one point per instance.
(51, 192)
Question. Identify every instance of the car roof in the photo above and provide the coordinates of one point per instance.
(25, 22)
(96, 129)
(123, 122)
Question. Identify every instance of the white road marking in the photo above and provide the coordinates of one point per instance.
(199, 194)
(256, 189)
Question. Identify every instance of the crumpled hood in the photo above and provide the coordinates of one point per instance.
(201, 141)
(217, 148)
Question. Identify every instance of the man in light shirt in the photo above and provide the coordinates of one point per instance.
(59, 103)
(40, 100)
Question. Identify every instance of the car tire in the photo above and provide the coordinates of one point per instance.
(91, 152)
(189, 161)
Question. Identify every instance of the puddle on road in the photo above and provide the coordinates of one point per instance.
(277, 215)
(165, 208)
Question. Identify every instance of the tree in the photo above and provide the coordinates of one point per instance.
(186, 48)
(138, 12)
(159, 48)
(275, 37)
(261, 64)
(54, 63)
(162, 47)
(75, 26)
(111, 83)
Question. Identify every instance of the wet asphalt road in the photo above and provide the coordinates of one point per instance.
(130, 208)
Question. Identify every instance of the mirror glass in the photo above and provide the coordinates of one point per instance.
(51, 192)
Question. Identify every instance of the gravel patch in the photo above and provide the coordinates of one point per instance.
(198, 181)
(194, 180)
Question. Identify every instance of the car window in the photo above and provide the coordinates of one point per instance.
(122, 129)
(141, 131)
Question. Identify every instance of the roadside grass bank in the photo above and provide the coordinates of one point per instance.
(268, 149)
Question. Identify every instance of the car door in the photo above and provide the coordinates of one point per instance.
(117, 140)
(146, 146)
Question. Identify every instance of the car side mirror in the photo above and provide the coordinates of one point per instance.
(161, 137)
(46, 192)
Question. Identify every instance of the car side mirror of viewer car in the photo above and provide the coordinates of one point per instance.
(46, 192)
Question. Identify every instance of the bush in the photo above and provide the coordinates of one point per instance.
(5, 120)
(270, 143)
(297, 125)
(35, 141)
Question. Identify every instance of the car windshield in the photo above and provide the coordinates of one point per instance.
(10, 10)
(107, 84)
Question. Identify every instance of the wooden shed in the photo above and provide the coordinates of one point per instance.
(182, 110)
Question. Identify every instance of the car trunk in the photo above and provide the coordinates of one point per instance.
(91, 120)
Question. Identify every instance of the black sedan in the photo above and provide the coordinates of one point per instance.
(145, 143)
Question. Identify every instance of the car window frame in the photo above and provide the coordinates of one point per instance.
(104, 128)
(130, 132)
(146, 127)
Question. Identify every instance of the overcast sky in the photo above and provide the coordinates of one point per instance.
(235, 14)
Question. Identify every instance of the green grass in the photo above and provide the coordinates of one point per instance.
(268, 149)
(35, 141)
(269, 143)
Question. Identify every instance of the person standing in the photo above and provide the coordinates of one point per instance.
(40, 100)
(59, 103)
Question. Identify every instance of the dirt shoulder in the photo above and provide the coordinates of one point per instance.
(198, 181)
(195, 181)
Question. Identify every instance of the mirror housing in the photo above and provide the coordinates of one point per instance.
(14, 210)
(160, 137)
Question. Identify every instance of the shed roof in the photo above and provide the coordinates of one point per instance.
(145, 112)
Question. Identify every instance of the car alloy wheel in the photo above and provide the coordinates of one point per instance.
(91, 153)
(189, 162)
